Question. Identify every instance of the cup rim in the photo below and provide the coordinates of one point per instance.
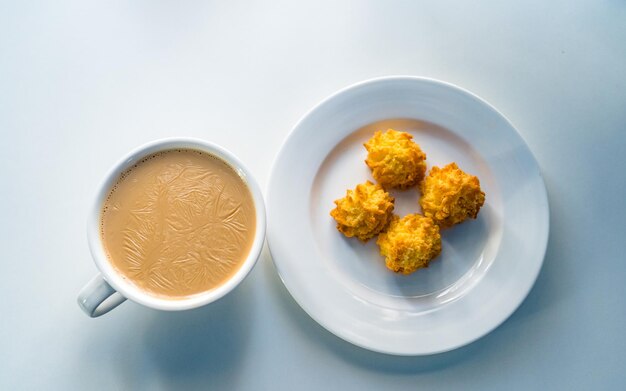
(122, 284)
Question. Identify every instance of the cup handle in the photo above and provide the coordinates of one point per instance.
(98, 297)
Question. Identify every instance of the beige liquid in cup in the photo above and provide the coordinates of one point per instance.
(178, 223)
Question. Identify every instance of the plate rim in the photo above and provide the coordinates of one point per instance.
(411, 78)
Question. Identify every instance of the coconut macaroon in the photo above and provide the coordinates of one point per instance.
(410, 243)
(395, 160)
(450, 196)
(364, 211)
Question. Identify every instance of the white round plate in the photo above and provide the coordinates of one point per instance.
(487, 266)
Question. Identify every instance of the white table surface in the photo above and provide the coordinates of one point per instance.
(83, 82)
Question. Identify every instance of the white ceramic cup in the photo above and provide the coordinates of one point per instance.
(109, 288)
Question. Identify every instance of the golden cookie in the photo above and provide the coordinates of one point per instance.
(450, 196)
(364, 211)
(410, 243)
(395, 160)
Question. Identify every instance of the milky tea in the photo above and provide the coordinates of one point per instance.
(178, 223)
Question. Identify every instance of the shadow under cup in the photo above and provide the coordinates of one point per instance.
(110, 287)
